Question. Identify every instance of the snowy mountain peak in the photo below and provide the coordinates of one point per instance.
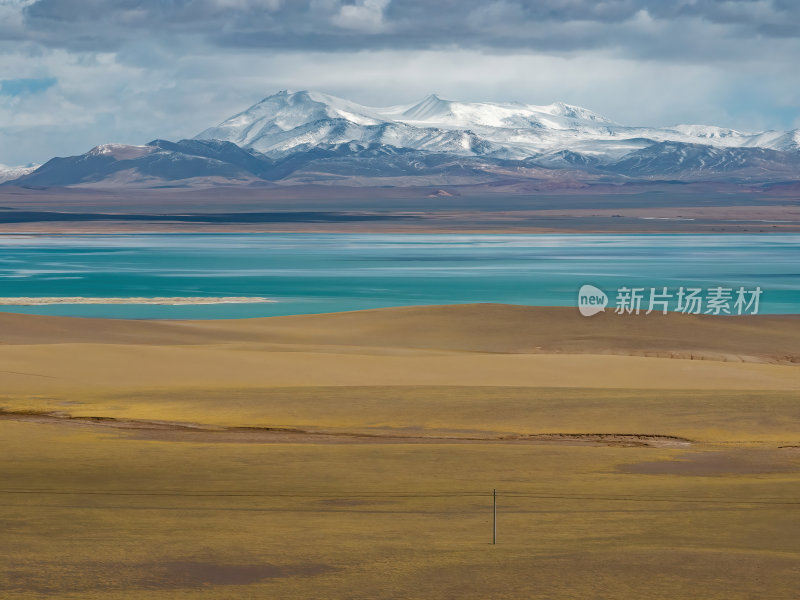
(287, 111)
(429, 108)
(291, 121)
(707, 131)
(575, 112)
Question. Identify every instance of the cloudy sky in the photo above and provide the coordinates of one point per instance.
(77, 73)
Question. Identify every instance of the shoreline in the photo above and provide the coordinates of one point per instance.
(653, 208)
(200, 301)
(123, 230)
(222, 229)
(168, 301)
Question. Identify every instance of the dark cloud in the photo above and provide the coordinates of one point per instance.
(346, 25)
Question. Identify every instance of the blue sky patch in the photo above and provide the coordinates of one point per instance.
(19, 87)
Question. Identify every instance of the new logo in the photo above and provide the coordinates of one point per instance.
(591, 300)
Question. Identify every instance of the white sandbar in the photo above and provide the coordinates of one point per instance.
(176, 301)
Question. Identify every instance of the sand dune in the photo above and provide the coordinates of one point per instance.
(483, 328)
(55, 359)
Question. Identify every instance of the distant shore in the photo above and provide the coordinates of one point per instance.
(657, 207)
(176, 301)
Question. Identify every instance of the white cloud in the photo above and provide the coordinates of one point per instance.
(365, 15)
(268, 5)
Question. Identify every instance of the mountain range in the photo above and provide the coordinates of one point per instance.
(310, 137)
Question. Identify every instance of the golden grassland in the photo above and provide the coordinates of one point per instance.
(208, 520)
(151, 460)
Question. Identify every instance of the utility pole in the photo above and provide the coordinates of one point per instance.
(494, 516)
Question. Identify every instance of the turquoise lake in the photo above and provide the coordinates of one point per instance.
(317, 273)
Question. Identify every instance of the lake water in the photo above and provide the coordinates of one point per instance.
(316, 273)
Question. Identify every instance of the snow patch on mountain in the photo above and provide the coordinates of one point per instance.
(121, 151)
(10, 173)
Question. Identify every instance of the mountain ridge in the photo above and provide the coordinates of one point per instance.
(305, 137)
(287, 119)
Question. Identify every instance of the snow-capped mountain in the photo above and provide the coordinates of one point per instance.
(310, 137)
(289, 122)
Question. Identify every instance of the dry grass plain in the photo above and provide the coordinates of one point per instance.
(353, 456)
